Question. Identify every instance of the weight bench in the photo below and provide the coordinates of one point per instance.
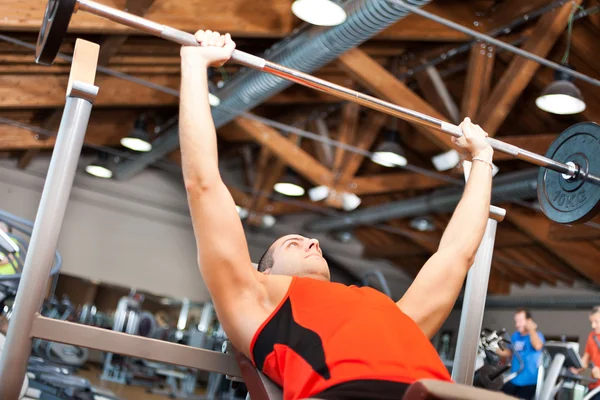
(260, 387)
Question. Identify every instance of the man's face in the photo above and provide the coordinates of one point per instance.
(520, 321)
(295, 255)
(595, 321)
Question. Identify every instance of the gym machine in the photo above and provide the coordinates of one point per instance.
(559, 382)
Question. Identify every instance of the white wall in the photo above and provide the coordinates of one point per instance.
(134, 234)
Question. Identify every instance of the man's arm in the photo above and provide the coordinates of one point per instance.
(506, 353)
(430, 298)
(223, 255)
(534, 336)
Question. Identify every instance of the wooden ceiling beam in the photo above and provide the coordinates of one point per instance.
(51, 123)
(547, 262)
(478, 79)
(286, 150)
(323, 151)
(111, 45)
(507, 270)
(573, 232)
(270, 172)
(416, 27)
(346, 135)
(583, 257)
(47, 91)
(521, 70)
(431, 93)
(386, 86)
(498, 283)
(105, 128)
(38, 91)
(263, 19)
(393, 182)
(512, 267)
(368, 133)
(525, 263)
(346, 132)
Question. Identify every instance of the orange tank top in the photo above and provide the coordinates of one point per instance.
(324, 334)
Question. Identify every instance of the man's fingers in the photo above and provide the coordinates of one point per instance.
(207, 34)
(199, 35)
(229, 43)
(221, 41)
(215, 38)
(480, 129)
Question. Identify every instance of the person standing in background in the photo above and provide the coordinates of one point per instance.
(528, 342)
(591, 356)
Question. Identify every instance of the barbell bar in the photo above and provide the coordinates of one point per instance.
(58, 15)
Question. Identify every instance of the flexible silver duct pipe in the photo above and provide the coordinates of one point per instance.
(307, 52)
(518, 185)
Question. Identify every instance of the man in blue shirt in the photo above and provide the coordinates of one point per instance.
(528, 342)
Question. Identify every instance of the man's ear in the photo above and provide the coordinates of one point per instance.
(267, 271)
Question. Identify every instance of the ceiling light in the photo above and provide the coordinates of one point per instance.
(101, 168)
(319, 12)
(99, 171)
(138, 139)
(213, 100)
(318, 193)
(268, 221)
(290, 185)
(242, 212)
(422, 224)
(389, 153)
(446, 161)
(289, 189)
(344, 236)
(561, 96)
(350, 201)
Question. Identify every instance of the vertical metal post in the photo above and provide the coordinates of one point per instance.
(471, 317)
(44, 238)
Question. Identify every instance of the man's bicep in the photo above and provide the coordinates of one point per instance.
(431, 296)
(223, 256)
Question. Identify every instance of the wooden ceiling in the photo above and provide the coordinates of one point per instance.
(494, 87)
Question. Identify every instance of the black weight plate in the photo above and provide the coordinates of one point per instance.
(54, 28)
(572, 201)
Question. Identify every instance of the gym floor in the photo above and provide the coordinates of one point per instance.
(125, 392)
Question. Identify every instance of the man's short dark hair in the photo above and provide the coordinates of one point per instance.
(595, 310)
(526, 311)
(266, 261)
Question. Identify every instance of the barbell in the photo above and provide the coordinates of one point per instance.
(568, 182)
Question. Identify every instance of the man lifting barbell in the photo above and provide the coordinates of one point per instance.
(311, 336)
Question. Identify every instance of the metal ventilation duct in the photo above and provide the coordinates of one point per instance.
(307, 52)
(518, 185)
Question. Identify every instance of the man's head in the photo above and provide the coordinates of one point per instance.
(295, 255)
(595, 319)
(521, 317)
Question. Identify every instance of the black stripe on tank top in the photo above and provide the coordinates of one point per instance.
(284, 330)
